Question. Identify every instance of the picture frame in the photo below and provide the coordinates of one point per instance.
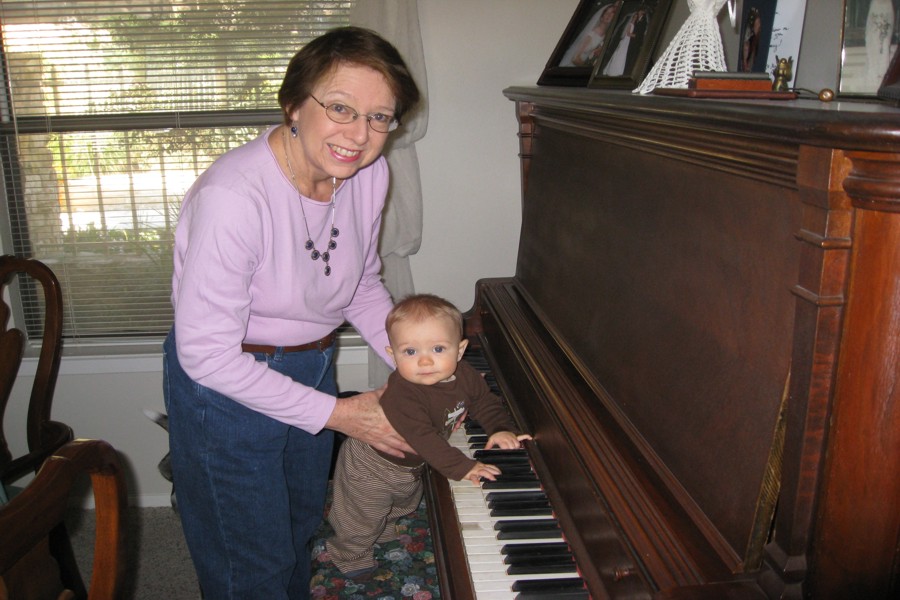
(624, 60)
(770, 30)
(756, 35)
(890, 85)
(869, 40)
(572, 61)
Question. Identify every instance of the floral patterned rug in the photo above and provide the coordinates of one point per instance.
(406, 568)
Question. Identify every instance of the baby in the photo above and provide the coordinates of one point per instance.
(427, 395)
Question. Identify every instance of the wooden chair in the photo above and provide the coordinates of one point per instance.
(28, 570)
(44, 436)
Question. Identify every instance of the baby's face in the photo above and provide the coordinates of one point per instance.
(426, 352)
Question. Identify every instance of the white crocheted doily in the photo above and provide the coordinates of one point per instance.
(696, 47)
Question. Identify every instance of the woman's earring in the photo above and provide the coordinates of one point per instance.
(294, 131)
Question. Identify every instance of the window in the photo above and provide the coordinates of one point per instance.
(110, 110)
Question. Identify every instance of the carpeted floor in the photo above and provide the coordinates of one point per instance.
(159, 566)
(158, 563)
(406, 567)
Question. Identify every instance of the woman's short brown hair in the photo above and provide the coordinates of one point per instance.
(346, 46)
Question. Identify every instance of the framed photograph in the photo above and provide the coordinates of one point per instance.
(573, 59)
(870, 37)
(756, 35)
(770, 30)
(629, 42)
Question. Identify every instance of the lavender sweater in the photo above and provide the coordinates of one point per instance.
(243, 275)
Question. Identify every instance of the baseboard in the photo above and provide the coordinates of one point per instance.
(150, 500)
(86, 501)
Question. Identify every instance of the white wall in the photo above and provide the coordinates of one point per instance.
(470, 180)
(469, 157)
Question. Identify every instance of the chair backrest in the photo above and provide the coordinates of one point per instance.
(28, 568)
(44, 435)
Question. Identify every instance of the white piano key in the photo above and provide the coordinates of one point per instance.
(483, 549)
(491, 584)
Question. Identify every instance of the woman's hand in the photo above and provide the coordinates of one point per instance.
(361, 417)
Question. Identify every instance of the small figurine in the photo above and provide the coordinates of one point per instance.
(783, 73)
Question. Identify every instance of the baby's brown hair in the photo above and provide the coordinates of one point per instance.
(418, 307)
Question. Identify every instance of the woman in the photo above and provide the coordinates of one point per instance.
(626, 32)
(276, 246)
(589, 44)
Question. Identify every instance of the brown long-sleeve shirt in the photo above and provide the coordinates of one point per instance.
(426, 414)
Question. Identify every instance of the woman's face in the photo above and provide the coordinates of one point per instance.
(339, 150)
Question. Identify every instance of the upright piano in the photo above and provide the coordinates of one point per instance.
(702, 334)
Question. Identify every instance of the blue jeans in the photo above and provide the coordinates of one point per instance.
(250, 489)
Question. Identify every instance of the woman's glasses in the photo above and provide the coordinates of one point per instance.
(341, 113)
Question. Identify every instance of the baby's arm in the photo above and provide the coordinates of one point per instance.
(481, 470)
(506, 440)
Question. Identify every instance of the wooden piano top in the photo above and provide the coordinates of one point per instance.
(701, 333)
(855, 124)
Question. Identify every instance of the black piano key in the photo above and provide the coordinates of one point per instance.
(527, 529)
(510, 484)
(513, 503)
(534, 560)
(566, 584)
(498, 501)
(529, 534)
(515, 524)
(555, 551)
(540, 585)
(534, 548)
(498, 498)
(536, 511)
(495, 455)
(554, 595)
(502, 459)
(542, 567)
(559, 557)
(526, 496)
(480, 438)
(505, 452)
(517, 503)
(519, 507)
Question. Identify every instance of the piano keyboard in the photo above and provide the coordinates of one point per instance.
(514, 546)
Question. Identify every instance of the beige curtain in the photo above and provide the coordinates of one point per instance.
(401, 234)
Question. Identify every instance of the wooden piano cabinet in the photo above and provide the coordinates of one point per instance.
(646, 220)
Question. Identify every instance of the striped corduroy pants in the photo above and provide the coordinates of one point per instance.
(370, 494)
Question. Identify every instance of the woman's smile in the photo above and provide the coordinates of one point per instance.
(344, 154)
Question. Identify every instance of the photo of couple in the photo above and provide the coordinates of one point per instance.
(612, 35)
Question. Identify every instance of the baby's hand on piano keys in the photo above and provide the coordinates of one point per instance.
(506, 440)
(481, 470)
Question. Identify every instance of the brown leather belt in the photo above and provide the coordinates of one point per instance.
(320, 345)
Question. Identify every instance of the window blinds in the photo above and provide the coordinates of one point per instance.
(110, 111)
